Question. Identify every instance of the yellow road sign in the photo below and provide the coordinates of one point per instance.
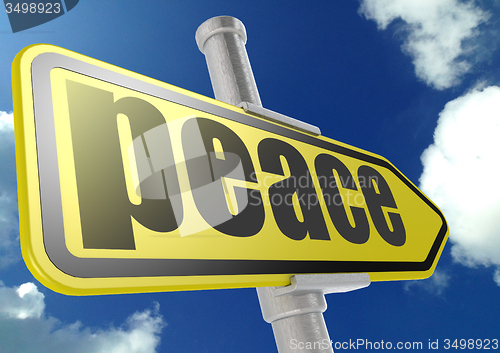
(128, 184)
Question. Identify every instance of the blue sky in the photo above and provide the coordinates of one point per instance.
(414, 81)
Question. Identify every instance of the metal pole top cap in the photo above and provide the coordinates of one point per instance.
(216, 25)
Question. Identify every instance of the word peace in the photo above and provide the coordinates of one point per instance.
(213, 153)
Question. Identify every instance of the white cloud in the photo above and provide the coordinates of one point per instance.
(9, 224)
(436, 284)
(24, 328)
(462, 175)
(437, 31)
(496, 277)
(21, 303)
(6, 121)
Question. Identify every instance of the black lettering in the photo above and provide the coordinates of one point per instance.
(105, 210)
(299, 183)
(360, 232)
(213, 152)
(377, 195)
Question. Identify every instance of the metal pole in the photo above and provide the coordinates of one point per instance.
(222, 39)
(295, 311)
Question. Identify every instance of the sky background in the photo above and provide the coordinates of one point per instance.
(412, 80)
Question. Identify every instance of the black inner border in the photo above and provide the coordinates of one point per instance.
(53, 231)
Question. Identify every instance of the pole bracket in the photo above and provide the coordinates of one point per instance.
(279, 118)
(306, 294)
(324, 283)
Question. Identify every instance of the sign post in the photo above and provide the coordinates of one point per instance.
(295, 311)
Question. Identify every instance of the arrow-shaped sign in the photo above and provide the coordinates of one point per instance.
(128, 184)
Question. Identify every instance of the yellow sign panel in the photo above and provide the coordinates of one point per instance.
(127, 184)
